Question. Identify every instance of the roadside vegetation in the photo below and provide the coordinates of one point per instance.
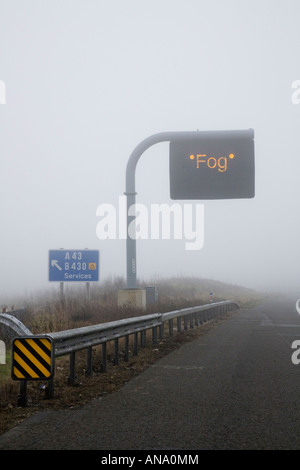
(47, 312)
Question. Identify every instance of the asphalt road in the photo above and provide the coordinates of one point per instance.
(236, 387)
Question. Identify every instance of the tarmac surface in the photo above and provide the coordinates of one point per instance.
(236, 387)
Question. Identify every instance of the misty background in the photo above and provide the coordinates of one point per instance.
(87, 81)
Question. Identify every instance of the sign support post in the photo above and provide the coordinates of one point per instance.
(198, 136)
(130, 193)
(88, 292)
(61, 286)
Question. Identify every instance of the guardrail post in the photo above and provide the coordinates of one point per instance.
(154, 335)
(89, 362)
(178, 323)
(49, 390)
(143, 338)
(135, 344)
(126, 346)
(116, 347)
(103, 358)
(161, 330)
(72, 378)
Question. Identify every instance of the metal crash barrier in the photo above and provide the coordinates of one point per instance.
(33, 356)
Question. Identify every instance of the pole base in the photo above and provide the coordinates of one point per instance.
(135, 298)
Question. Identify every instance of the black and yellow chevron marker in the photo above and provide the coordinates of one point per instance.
(32, 358)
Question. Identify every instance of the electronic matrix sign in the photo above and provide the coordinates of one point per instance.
(215, 165)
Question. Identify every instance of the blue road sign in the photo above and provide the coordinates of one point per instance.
(73, 265)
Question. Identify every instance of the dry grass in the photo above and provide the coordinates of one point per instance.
(50, 314)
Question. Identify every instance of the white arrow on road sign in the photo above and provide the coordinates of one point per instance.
(54, 262)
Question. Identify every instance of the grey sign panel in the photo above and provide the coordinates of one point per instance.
(215, 165)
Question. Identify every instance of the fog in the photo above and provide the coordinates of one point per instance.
(87, 81)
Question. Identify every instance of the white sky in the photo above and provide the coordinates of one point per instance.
(87, 81)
